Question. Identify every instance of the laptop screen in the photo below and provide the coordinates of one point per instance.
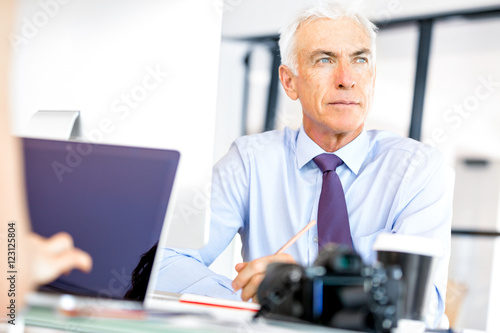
(111, 199)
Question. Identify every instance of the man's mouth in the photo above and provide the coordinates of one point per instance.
(344, 103)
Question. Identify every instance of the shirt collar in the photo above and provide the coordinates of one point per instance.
(353, 154)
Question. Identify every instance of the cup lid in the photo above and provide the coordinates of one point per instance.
(408, 244)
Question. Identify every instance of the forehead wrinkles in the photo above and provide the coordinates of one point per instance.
(344, 35)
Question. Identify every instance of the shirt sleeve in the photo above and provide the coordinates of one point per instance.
(186, 271)
(182, 272)
(427, 211)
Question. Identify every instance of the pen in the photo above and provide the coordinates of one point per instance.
(297, 236)
(289, 243)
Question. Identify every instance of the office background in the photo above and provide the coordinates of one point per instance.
(135, 79)
(437, 76)
(453, 104)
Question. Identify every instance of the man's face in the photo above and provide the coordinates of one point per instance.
(335, 76)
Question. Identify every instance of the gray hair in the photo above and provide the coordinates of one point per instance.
(333, 10)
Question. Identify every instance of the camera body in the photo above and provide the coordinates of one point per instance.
(339, 290)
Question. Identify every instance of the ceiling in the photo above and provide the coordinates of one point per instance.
(245, 18)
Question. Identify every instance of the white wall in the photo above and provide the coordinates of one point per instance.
(142, 73)
(228, 128)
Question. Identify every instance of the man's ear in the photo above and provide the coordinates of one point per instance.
(287, 79)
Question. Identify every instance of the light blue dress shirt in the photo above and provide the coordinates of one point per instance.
(267, 188)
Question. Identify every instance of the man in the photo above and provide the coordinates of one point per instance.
(268, 186)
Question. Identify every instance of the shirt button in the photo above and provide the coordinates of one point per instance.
(315, 239)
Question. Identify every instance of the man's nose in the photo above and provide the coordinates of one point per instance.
(344, 77)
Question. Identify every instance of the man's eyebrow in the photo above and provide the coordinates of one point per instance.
(323, 52)
(360, 52)
(335, 55)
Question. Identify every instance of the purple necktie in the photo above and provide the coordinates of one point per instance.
(333, 221)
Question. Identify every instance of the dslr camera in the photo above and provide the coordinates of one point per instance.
(339, 291)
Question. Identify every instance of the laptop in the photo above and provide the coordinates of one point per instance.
(112, 200)
(115, 201)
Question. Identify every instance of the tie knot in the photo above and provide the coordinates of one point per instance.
(327, 162)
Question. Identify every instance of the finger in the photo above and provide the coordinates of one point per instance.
(252, 268)
(250, 289)
(60, 242)
(72, 259)
(284, 257)
(239, 267)
(48, 266)
(257, 266)
(82, 261)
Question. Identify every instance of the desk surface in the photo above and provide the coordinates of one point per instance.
(48, 318)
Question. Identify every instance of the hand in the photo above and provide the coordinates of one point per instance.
(251, 274)
(51, 257)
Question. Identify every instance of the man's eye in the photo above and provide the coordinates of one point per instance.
(324, 60)
(362, 60)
